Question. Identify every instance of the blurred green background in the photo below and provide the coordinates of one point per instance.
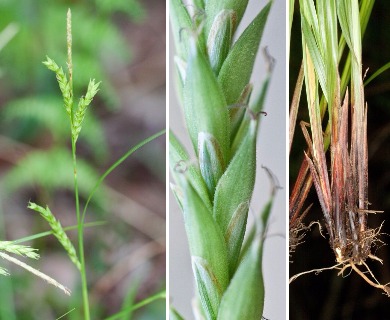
(327, 296)
(122, 44)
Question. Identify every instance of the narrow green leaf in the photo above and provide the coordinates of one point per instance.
(365, 13)
(161, 295)
(129, 300)
(308, 10)
(377, 73)
(48, 233)
(237, 68)
(205, 107)
(178, 154)
(347, 11)
(65, 314)
(220, 38)
(116, 164)
(211, 161)
(316, 56)
(349, 19)
(328, 21)
(244, 298)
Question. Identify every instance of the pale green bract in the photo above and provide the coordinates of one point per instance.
(215, 190)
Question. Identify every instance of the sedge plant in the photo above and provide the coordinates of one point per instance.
(214, 187)
(7, 247)
(76, 115)
(333, 76)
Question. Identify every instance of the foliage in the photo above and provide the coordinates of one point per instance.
(96, 40)
(41, 167)
(29, 92)
(341, 184)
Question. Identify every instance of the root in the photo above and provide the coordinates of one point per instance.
(342, 266)
(316, 271)
(297, 234)
(353, 256)
(359, 249)
(376, 284)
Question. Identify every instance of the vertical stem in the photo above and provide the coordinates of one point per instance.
(80, 233)
(69, 45)
(80, 221)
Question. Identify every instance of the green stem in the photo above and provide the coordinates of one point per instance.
(48, 233)
(80, 232)
(157, 296)
(116, 164)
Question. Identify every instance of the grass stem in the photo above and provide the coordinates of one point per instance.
(80, 234)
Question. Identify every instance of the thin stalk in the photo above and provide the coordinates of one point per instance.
(48, 233)
(80, 234)
(80, 219)
(157, 296)
(80, 225)
(116, 164)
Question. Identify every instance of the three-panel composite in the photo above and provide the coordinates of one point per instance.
(194, 159)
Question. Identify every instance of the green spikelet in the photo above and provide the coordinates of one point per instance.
(215, 188)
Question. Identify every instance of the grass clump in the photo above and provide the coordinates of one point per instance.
(332, 72)
(214, 190)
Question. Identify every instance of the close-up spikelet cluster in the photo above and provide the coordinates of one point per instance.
(214, 188)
